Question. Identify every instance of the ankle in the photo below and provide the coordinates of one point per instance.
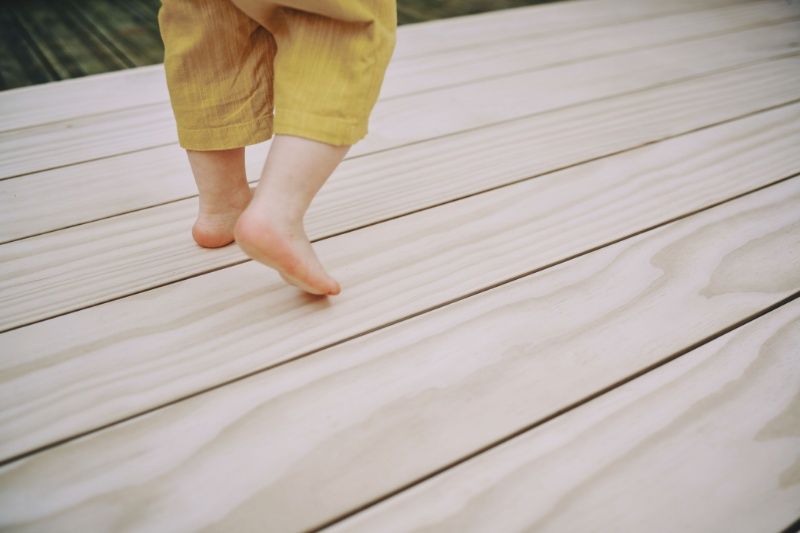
(280, 209)
(235, 198)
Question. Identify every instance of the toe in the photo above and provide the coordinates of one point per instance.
(335, 289)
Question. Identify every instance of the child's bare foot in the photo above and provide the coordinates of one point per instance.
(224, 194)
(217, 218)
(284, 246)
(271, 229)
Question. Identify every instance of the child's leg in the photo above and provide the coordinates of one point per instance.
(218, 65)
(224, 193)
(329, 68)
(271, 229)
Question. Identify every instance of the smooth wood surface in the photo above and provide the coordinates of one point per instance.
(448, 34)
(47, 275)
(234, 321)
(503, 270)
(498, 58)
(122, 183)
(302, 444)
(709, 442)
(73, 98)
(428, 114)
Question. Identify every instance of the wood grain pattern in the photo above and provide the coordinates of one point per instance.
(231, 322)
(73, 98)
(426, 115)
(449, 34)
(128, 182)
(70, 269)
(492, 302)
(432, 70)
(299, 445)
(723, 415)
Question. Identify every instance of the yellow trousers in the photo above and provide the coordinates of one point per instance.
(240, 70)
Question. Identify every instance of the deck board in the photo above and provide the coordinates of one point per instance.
(46, 275)
(425, 260)
(305, 440)
(128, 182)
(519, 240)
(66, 99)
(583, 471)
(424, 115)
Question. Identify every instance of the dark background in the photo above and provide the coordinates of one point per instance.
(47, 40)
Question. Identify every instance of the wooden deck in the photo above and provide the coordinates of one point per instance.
(570, 258)
(43, 41)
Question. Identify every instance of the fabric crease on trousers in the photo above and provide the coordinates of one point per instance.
(239, 71)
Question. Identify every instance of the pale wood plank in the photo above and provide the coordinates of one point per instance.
(47, 275)
(68, 99)
(449, 34)
(724, 415)
(134, 181)
(428, 114)
(299, 445)
(121, 358)
(432, 70)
